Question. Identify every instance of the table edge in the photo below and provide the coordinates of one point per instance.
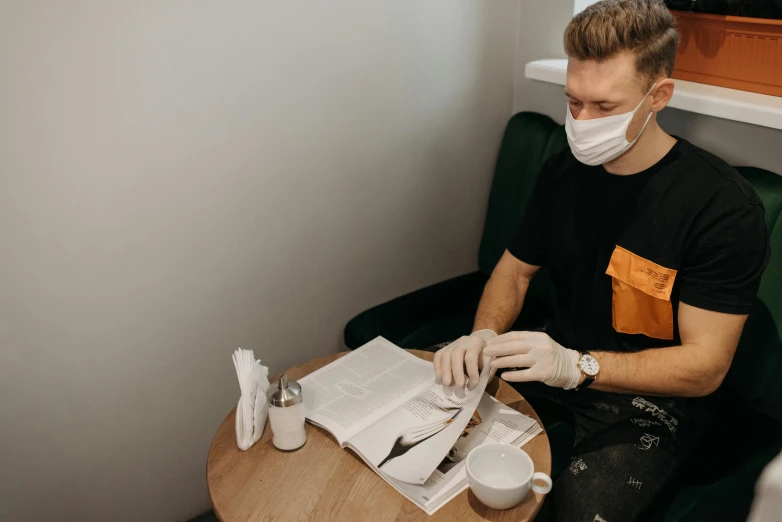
(340, 354)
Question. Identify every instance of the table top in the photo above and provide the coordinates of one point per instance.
(325, 482)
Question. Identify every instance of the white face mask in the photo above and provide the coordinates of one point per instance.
(601, 140)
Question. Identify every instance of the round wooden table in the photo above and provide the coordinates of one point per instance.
(321, 481)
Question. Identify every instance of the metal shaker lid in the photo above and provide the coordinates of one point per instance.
(285, 393)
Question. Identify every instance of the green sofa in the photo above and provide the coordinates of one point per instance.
(709, 488)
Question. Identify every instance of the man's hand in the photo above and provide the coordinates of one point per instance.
(449, 362)
(544, 359)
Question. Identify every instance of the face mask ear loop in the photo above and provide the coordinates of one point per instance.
(642, 128)
(644, 98)
(647, 118)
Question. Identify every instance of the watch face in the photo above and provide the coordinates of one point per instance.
(589, 365)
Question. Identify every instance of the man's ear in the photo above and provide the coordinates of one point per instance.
(661, 94)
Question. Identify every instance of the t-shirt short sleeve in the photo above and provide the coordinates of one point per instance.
(723, 266)
(528, 243)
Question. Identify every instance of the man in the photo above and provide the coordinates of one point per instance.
(656, 249)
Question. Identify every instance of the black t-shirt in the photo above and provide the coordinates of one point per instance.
(623, 251)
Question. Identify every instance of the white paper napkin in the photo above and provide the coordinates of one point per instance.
(251, 411)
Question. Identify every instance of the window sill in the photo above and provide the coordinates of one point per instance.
(729, 104)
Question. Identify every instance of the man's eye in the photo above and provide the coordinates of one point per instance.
(574, 103)
(605, 109)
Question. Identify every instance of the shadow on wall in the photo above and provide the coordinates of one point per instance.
(450, 165)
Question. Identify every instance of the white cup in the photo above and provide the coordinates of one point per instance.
(501, 475)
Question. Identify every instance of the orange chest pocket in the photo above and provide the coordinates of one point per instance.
(641, 302)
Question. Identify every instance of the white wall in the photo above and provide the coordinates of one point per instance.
(540, 36)
(580, 5)
(179, 178)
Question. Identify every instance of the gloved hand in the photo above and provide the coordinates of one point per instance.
(449, 362)
(544, 359)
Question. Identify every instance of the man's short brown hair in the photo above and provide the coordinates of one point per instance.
(644, 27)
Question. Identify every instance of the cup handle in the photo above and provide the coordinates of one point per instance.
(543, 478)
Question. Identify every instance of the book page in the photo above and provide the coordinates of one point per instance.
(492, 422)
(408, 443)
(359, 388)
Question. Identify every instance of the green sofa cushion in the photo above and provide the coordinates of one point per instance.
(754, 374)
(529, 140)
(422, 318)
(435, 314)
(768, 185)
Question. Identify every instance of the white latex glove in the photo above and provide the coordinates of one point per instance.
(449, 362)
(544, 359)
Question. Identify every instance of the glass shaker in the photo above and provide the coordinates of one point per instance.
(286, 413)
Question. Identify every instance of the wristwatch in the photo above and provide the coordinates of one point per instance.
(589, 367)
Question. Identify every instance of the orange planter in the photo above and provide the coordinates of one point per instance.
(730, 51)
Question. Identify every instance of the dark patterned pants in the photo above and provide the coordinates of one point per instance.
(627, 449)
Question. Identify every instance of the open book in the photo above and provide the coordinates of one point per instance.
(385, 404)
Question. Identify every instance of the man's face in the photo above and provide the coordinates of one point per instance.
(598, 89)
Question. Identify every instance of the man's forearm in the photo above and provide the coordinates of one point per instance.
(501, 303)
(676, 371)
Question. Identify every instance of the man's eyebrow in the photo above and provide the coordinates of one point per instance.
(597, 102)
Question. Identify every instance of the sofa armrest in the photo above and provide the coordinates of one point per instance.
(399, 318)
(443, 312)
